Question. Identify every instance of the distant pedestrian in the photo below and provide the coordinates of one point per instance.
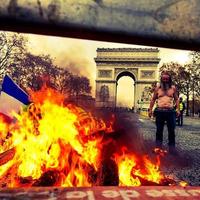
(182, 109)
(166, 95)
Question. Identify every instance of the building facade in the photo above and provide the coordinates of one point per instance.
(141, 64)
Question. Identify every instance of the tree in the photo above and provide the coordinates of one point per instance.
(180, 78)
(31, 70)
(195, 61)
(85, 85)
(79, 85)
(147, 93)
(176, 71)
(12, 51)
(35, 70)
(60, 79)
(184, 77)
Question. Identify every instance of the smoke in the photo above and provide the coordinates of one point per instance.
(74, 54)
(78, 55)
(71, 54)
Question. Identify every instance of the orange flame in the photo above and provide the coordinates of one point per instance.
(50, 136)
(133, 170)
(55, 144)
(183, 184)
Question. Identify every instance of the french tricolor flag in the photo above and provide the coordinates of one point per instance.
(12, 98)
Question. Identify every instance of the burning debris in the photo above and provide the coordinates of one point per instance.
(56, 144)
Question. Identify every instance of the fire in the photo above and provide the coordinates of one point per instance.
(52, 143)
(50, 136)
(132, 170)
(183, 184)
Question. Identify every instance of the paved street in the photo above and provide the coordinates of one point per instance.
(184, 166)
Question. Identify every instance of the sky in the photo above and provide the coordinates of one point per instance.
(78, 56)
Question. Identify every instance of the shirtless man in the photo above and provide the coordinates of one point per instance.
(165, 94)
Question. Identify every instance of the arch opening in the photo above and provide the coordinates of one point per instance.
(125, 90)
(125, 73)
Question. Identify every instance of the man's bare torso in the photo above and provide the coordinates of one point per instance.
(165, 98)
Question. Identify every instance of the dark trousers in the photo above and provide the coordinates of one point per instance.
(168, 116)
(180, 119)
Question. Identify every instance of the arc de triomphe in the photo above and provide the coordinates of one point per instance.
(141, 64)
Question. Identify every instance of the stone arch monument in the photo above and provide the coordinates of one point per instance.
(141, 64)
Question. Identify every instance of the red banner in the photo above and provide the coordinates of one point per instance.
(103, 193)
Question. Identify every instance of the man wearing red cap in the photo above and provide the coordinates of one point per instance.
(166, 95)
